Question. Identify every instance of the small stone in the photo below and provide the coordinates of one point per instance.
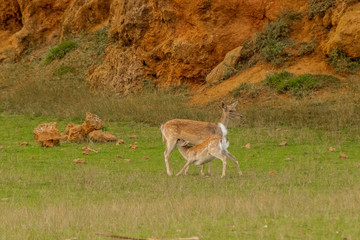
(127, 160)
(118, 156)
(24, 143)
(248, 146)
(146, 158)
(85, 153)
(343, 156)
(283, 144)
(133, 137)
(331, 149)
(120, 141)
(272, 172)
(133, 146)
(288, 159)
(79, 160)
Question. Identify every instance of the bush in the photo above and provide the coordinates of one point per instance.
(59, 51)
(343, 63)
(269, 45)
(63, 69)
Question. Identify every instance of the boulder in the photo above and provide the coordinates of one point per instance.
(100, 136)
(226, 68)
(76, 133)
(92, 122)
(347, 32)
(47, 134)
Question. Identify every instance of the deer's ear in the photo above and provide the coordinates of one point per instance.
(223, 105)
(234, 104)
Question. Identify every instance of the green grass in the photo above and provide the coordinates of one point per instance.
(44, 195)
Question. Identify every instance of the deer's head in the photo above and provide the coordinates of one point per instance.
(230, 110)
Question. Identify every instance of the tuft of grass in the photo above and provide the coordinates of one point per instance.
(60, 51)
(301, 85)
(343, 63)
(319, 7)
(307, 48)
(63, 69)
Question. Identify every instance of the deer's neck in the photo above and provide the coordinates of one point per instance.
(224, 119)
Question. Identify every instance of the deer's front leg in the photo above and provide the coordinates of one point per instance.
(229, 155)
(184, 168)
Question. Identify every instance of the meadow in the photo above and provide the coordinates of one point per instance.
(298, 191)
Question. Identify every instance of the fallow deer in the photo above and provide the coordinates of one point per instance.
(194, 132)
(211, 148)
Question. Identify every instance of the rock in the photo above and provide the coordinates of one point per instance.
(79, 160)
(347, 32)
(343, 156)
(133, 137)
(47, 134)
(127, 160)
(92, 122)
(248, 146)
(283, 144)
(331, 149)
(133, 146)
(120, 141)
(24, 143)
(100, 136)
(76, 133)
(226, 68)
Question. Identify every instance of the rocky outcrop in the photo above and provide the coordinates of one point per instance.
(345, 32)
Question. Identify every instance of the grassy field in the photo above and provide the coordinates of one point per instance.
(300, 191)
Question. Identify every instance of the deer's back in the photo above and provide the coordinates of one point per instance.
(189, 130)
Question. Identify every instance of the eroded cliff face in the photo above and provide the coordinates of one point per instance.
(175, 42)
(172, 42)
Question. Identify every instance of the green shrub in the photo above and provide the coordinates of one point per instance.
(343, 63)
(300, 85)
(319, 7)
(59, 51)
